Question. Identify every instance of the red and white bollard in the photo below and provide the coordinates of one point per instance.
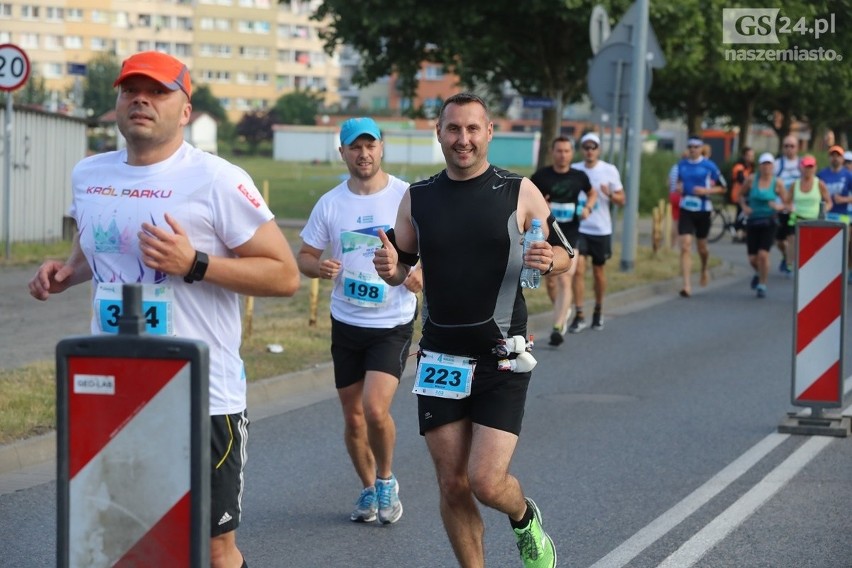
(818, 328)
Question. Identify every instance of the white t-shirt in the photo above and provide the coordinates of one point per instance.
(218, 206)
(599, 221)
(787, 170)
(349, 223)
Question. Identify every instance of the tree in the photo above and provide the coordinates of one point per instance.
(203, 100)
(298, 107)
(34, 92)
(255, 127)
(98, 92)
(538, 47)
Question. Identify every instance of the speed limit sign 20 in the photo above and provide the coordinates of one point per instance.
(14, 67)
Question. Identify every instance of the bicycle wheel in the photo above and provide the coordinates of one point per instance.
(719, 223)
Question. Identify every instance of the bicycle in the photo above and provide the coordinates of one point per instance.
(722, 222)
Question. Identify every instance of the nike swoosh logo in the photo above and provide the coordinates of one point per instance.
(495, 186)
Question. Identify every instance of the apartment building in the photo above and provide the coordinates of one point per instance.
(249, 52)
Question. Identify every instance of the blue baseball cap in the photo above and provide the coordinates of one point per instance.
(355, 127)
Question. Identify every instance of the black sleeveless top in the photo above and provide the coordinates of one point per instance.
(471, 255)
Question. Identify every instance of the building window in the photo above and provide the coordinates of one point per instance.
(379, 103)
(54, 14)
(5, 10)
(98, 44)
(143, 45)
(183, 49)
(5, 37)
(51, 70)
(52, 42)
(29, 12)
(433, 73)
(74, 14)
(73, 42)
(223, 24)
(100, 17)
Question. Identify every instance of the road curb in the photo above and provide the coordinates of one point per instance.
(269, 396)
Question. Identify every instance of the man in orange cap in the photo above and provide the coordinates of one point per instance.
(194, 229)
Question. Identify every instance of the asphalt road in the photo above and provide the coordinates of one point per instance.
(651, 443)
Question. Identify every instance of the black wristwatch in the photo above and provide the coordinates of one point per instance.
(199, 268)
(549, 269)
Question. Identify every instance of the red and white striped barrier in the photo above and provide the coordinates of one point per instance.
(133, 451)
(820, 311)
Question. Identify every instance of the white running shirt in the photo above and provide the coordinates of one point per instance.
(599, 221)
(218, 206)
(349, 223)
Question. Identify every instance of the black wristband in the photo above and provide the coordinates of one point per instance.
(549, 269)
(199, 268)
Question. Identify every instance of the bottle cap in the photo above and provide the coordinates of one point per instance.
(536, 223)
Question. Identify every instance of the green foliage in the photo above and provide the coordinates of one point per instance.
(254, 127)
(98, 92)
(203, 100)
(539, 47)
(33, 93)
(299, 107)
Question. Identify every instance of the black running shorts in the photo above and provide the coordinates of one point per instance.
(228, 438)
(356, 350)
(599, 247)
(496, 400)
(694, 223)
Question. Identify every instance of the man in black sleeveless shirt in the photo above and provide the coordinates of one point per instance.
(569, 193)
(466, 224)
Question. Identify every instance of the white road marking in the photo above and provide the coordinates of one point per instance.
(696, 547)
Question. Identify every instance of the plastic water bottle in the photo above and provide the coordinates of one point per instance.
(531, 277)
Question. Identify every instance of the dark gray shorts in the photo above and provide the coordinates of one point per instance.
(228, 438)
(496, 400)
(356, 350)
(599, 247)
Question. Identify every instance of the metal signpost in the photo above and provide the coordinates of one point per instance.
(14, 72)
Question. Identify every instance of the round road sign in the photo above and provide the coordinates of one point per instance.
(14, 67)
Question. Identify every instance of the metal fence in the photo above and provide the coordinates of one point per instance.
(45, 147)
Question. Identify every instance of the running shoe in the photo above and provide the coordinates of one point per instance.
(390, 507)
(366, 507)
(535, 545)
(761, 291)
(784, 268)
(597, 321)
(578, 325)
(556, 336)
(755, 280)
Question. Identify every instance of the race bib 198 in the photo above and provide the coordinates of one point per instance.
(364, 289)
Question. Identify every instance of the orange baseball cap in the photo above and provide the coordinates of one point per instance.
(161, 67)
(836, 148)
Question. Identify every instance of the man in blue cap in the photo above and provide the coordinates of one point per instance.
(371, 322)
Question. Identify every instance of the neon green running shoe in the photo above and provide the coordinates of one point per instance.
(535, 545)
